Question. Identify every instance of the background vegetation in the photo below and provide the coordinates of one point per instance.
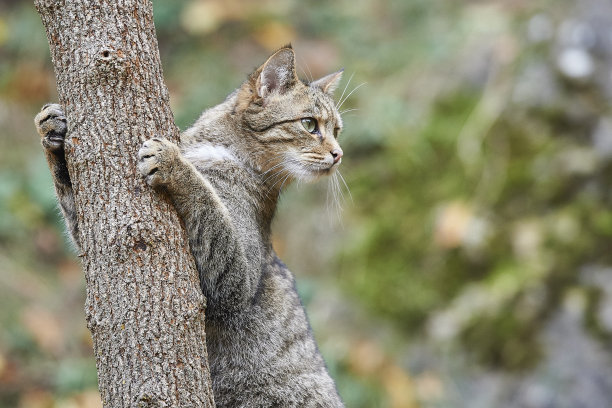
(471, 263)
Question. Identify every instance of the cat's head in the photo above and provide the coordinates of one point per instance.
(295, 124)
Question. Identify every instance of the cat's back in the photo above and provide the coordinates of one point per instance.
(215, 125)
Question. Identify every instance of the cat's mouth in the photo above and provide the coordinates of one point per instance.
(330, 169)
(316, 171)
(309, 167)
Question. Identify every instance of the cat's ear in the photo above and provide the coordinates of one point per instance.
(328, 83)
(277, 74)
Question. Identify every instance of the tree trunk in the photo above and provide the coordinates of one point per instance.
(144, 306)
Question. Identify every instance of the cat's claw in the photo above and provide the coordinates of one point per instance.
(51, 126)
(155, 161)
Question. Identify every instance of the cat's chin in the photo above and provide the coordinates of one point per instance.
(313, 175)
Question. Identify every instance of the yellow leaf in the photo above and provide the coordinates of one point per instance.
(399, 387)
(452, 224)
(202, 17)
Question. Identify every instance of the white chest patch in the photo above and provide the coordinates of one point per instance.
(208, 152)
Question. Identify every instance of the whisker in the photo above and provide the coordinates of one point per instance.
(269, 170)
(327, 200)
(345, 185)
(334, 192)
(340, 193)
(339, 197)
(308, 68)
(289, 174)
(280, 179)
(329, 197)
(333, 209)
(344, 90)
(273, 177)
(280, 189)
(348, 110)
(339, 208)
(273, 167)
(283, 183)
(304, 72)
(269, 161)
(285, 161)
(350, 93)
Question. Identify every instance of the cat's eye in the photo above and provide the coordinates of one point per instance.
(310, 125)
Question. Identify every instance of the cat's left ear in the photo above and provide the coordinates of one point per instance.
(328, 83)
(277, 74)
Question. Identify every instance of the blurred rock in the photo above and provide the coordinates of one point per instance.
(536, 86)
(540, 28)
(602, 138)
(576, 64)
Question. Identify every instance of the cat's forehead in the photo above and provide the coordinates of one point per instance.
(323, 106)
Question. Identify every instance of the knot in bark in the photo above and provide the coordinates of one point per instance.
(194, 308)
(110, 61)
(94, 320)
(151, 395)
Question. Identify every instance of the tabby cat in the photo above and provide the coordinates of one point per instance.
(224, 180)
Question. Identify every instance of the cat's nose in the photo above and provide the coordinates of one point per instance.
(337, 155)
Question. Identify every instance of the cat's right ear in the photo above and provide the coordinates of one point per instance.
(277, 74)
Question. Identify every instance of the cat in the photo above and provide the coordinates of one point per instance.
(224, 179)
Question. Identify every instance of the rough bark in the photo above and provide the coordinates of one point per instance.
(144, 307)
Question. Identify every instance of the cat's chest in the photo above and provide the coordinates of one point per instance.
(234, 190)
(207, 154)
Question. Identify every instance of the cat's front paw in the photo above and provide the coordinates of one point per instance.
(51, 126)
(156, 160)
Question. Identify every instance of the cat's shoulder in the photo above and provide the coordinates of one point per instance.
(222, 165)
(206, 153)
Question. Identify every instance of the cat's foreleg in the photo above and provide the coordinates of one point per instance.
(224, 271)
(51, 125)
